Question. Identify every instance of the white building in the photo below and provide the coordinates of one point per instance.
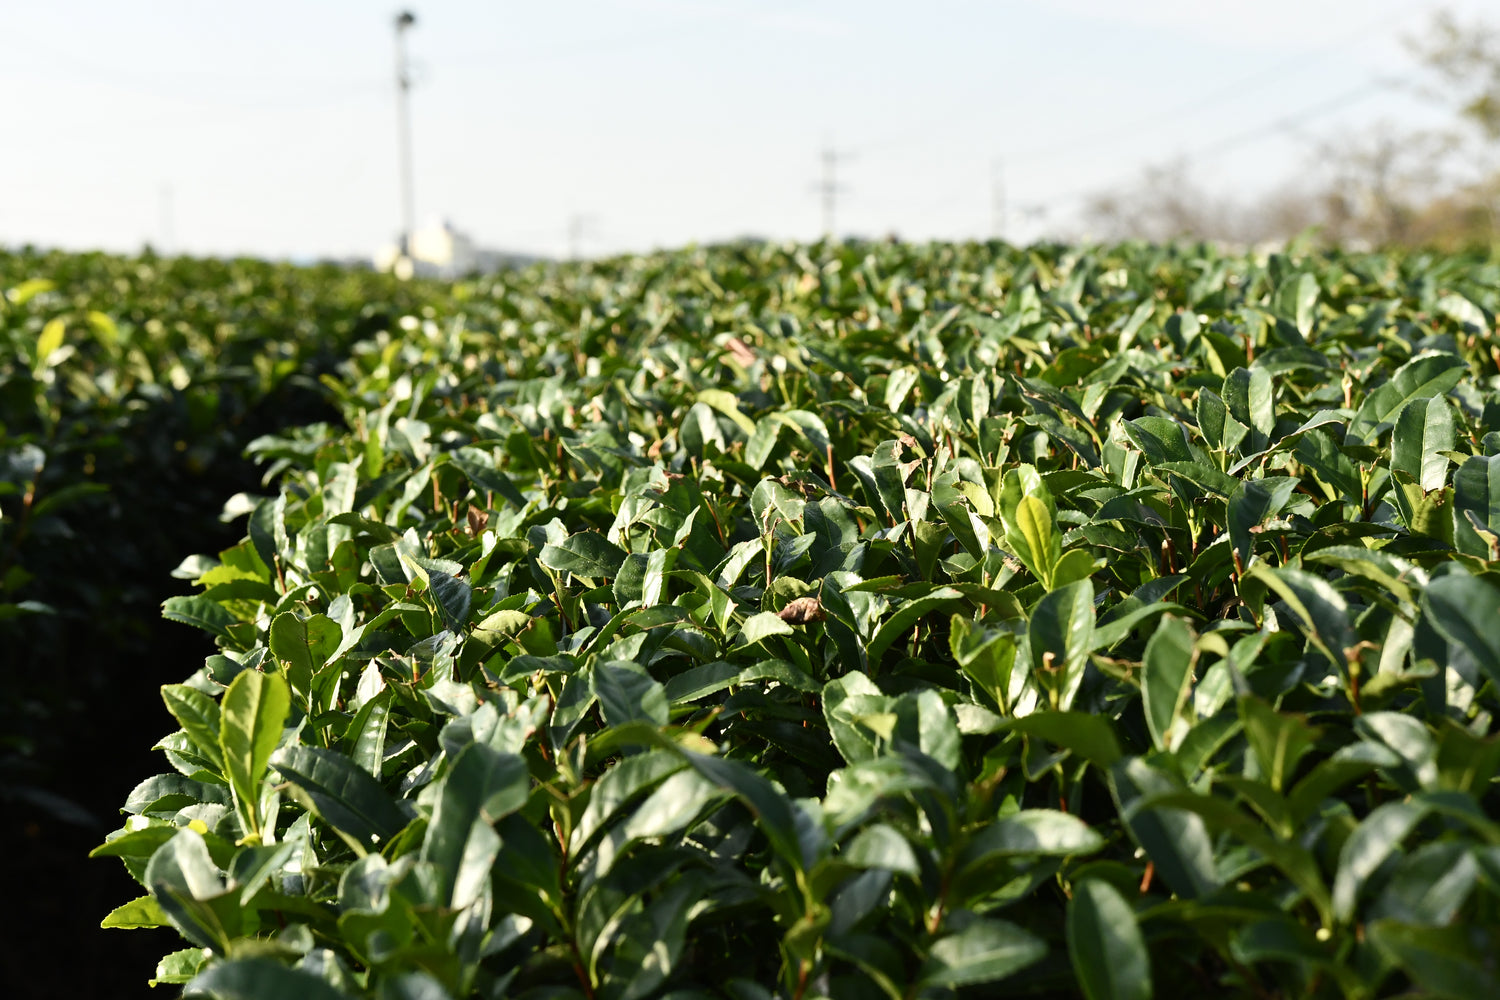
(441, 251)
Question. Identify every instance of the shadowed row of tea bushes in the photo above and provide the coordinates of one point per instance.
(128, 390)
(867, 621)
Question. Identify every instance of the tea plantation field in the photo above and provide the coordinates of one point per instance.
(853, 621)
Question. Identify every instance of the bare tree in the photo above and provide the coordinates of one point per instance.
(1378, 186)
(1465, 57)
(1380, 181)
(1165, 204)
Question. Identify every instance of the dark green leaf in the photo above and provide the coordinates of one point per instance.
(587, 554)
(199, 612)
(1175, 840)
(1424, 430)
(1421, 378)
(983, 952)
(1167, 678)
(1380, 833)
(627, 693)
(1443, 961)
(1106, 945)
(482, 786)
(342, 793)
(199, 715)
(1463, 609)
(1476, 506)
(258, 979)
(1061, 635)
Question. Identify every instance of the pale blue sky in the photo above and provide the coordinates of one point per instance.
(272, 124)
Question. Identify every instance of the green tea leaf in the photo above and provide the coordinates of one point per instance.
(586, 554)
(1297, 300)
(252, 713)
(1322, 611)
(627, 693)
(1462, 609)
(142, 912)
(185, 883)
(1160, 439)
(761, 626)
(1442, 961)
(1034, 832)
(1278, 739)
(882, 846)
(901, 621)
(1177, 841)
(200, 612)
(1424, 431)
(199, 715)
(1248, 394)
(1105, 944)
(258, 979)
(1061, 635)
(453, 597)
(1421, 378)
(851, 704)
(985, 951)
(482, 786)
(1380, 833)
(50, 339)
(1476, 506)
(1167, 679)
(344, 794)
(627, 780)
(303, 645)
(1086, 735)
(178, 967)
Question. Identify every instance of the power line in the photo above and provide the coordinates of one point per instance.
(1197, 103)
(1205, 102)
(1291, 122)
(1218, 147)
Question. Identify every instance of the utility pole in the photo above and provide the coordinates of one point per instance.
(579, 227)
(404, 20)
(997, 199)
(167, 236)
(829, 189)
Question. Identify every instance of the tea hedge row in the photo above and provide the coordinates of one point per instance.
(865, 621)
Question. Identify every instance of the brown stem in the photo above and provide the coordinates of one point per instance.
(804, 969)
